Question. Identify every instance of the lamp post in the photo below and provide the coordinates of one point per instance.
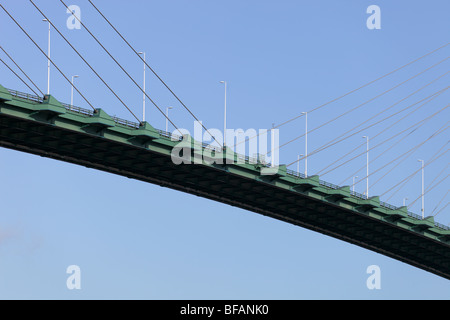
(143, 89)
(355, 177)
(306, 143)
(367, 166)
(404, 201)
(298, 163)
(225, 117)
(167, 118)
(71, 93)
(423, 180)
(48, 57)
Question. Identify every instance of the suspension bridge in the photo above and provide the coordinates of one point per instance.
(40, 124)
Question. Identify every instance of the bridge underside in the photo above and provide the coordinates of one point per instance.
(298, 206)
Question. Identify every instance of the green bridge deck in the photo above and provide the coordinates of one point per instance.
(46, 127)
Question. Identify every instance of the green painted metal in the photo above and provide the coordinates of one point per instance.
(46, 127)
(4, 94)
(51, 105)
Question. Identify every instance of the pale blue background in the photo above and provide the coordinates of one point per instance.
(137, 240)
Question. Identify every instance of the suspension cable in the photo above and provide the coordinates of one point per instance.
(442, 209)
(439, 131)
(365, 85)
(350, 92)
(406, 156)
(412, 151)
(152, 70)
(439, 203)
(22, 70)
(381, 143)
(42, 51)
(437, 176)
(112, 57)
(426, 191)
(362, 104)
(331, 143)
(93, 70)
(415, 172)
(403, 183)
(18, 76)
(396, 143)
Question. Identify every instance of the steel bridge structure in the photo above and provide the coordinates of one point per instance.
(46, 127)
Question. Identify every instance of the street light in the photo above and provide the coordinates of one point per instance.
(143, 99)
(48, 57)
(367, 167)
(167, 118)
(404, 201)
(225, 117)
(71, 94)
(306, 144)
(355, 177)
(423, 199)
(298, 163)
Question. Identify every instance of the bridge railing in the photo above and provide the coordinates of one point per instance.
(295, 174)
(25, 96)
(169, 135)
(328, 184)
(79, 110)
(357, 195)
(71, 108)
(442, 226)
(414, 215)
(218, 149)
(387, 205)
(245, 158)
(126, 123)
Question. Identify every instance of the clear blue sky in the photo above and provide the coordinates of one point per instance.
(280, 58)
